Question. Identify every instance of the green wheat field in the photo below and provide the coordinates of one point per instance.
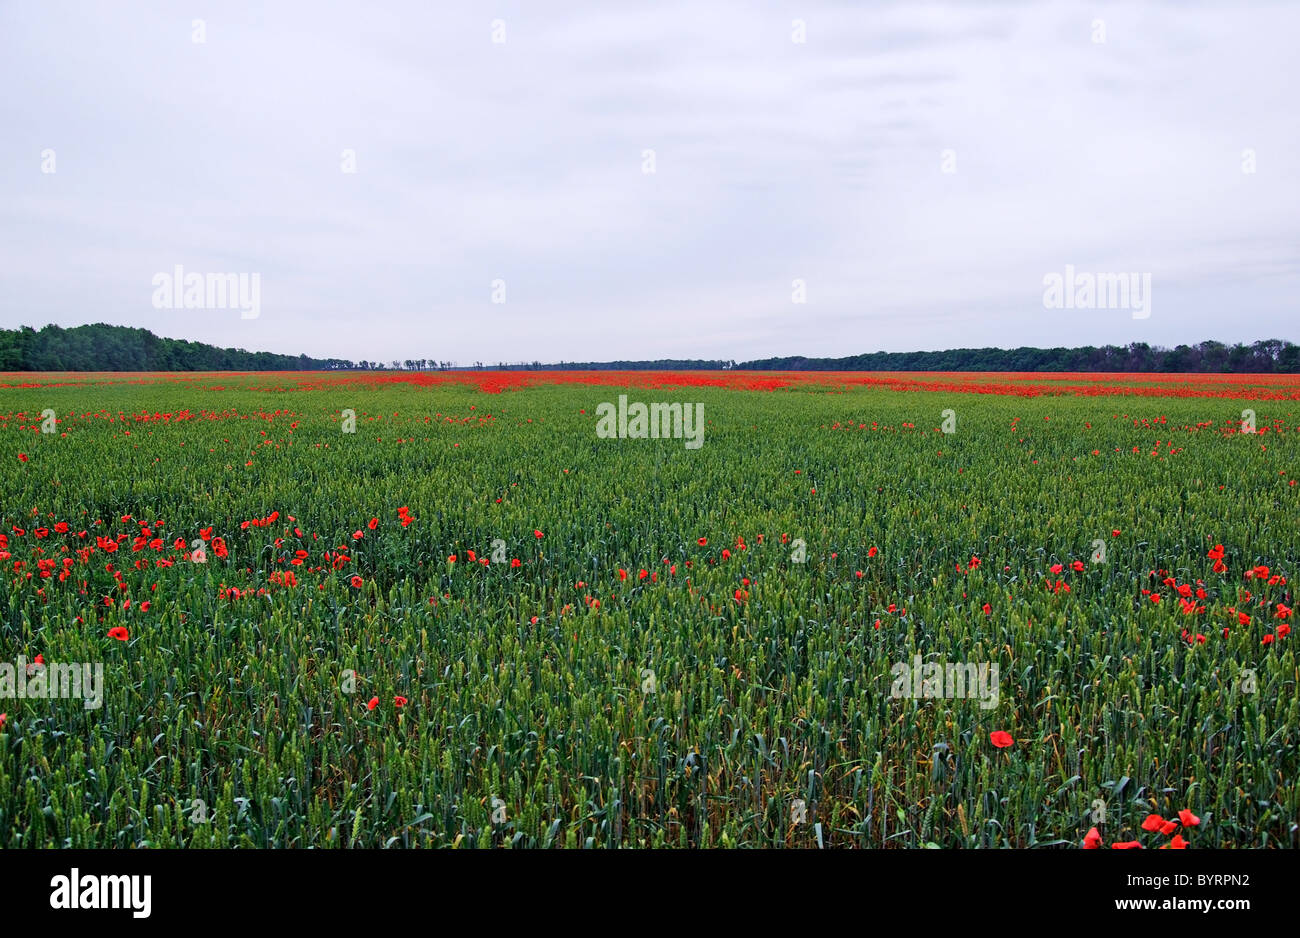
(465, 620)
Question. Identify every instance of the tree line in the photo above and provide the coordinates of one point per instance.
(1270, 356)
(104, 347)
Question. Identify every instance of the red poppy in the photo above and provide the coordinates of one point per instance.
(399, 701)
(988, 610)
(538, 534)
(871, 552)
(1126, 845)
(703, 542)
(1001, 738)
(1092, 840)
(118, 632)
(1153, 822)
(357, 582)
(22, 457)
(374, 523)
(1176, 844)
(1188, 819)
(372, 703)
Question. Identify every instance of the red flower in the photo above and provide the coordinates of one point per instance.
(538, 534)
(1126, 845)
(399, 701)
(1188, 818)
(1092, 840)
(1001, 738)
(372, 703)
(119, 633)
(374, 523)
(988, 610)
(451, 558)
(703, 542)
(358, 535)
(1115, 533)
(1176, 844)
(357, 582)
(22, 457)
(1153, 822)
(871, 552)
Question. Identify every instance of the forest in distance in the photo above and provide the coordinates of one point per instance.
(104, 347)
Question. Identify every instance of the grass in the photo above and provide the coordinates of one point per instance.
(230, 719)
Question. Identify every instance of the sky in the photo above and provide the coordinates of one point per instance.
(614, 180)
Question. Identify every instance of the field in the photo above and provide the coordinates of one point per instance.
(476, 622)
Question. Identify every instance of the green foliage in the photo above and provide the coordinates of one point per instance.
(520, 688)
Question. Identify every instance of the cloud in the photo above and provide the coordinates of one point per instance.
(774, 161)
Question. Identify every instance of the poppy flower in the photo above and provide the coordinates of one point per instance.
(357, 582)
(988, 610)
(399, 701)
(1001, 738)
(538, 534)
(3, 717)
(374, 523)
(1188, 819)
(1126, 845)
(372, 703)
(703, 542)
(1176, 844)
(1092, 840)
(1153, 822)
(119, 632)
(871, 552)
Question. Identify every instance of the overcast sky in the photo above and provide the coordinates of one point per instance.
(775, 160)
